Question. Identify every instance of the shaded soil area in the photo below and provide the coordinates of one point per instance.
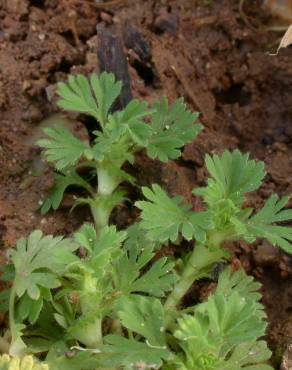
(202, 50)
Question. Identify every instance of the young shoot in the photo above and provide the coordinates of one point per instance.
(232, 176)
(117, 137)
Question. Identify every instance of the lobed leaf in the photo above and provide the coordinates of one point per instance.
(62, 148)
(144, 316)
(172, 128)
(62, 182)
(164, 218)
(261, 225)
(131, 353)
(94, 96)
(232, 175)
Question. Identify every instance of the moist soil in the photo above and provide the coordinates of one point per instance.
(211, 53)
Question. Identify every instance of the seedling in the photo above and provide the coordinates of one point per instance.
(232, 176)
(118, 136)
(116, 308)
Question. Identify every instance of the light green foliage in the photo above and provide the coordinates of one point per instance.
(130, 353)
(117, 137)
(222, 333)
(26, 363)
(38, 262)
(157, 279)
(232, 176)
(110, 299)
(164, 218)
(62, 182)
(262, 225)
(144, 316)
(172, 127)
(75, 294)
(62, 147)
(94, 97)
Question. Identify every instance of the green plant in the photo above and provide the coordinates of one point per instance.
(109, 299)
(116, 307)
(232, 175)
(118, 136)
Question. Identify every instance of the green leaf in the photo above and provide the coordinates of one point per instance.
(86, 237)
(106, 90)
(132, 118)
(172, 128)
(38, 262)
(249, 356)
(164, 218)
(62, 148)
(232, 175)
(129, 352)
(224, 330)
(30, 308)
(129, 278)
(94, 98)
(157, 280)
(261, 225)
(60, 357)
(245, 285)
(144, 316)
(62, 182)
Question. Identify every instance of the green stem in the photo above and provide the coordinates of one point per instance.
(198, 265)
(100, 215)
(106, 182)
(11, 311)
(101, 208)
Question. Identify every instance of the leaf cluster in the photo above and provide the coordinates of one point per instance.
(222, 333)
(232, 176)
(161, 130)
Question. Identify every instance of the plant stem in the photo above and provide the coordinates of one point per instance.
(102, 207)
(198, 265)
(100, 215)
(11, 310)
(106, 182)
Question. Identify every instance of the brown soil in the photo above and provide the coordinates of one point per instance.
(202, 50)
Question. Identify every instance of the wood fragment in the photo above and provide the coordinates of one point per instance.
(111, 58)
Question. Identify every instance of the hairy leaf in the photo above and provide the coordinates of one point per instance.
(62, 148)
(94, 97)
(261, 225)
(129, 278)
(144, 316)
(223, 332)
(62, 182)
(38, 261)
(164, 218)
(172, 128)
(129, 352)
(232, 175)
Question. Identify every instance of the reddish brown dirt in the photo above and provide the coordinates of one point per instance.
(202, 50)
